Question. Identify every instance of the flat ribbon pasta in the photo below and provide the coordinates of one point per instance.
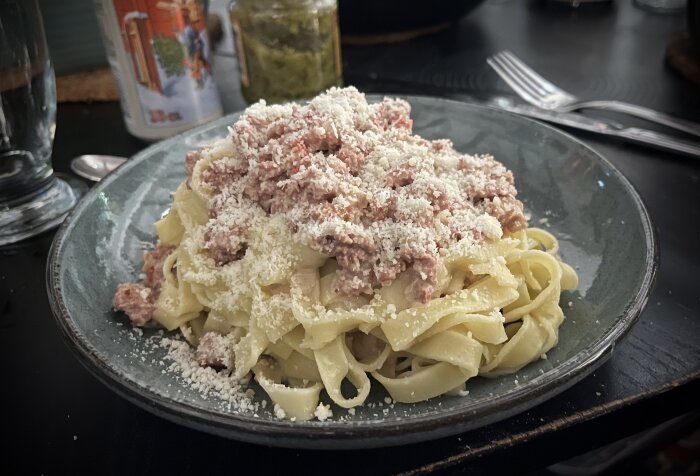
(495, 310)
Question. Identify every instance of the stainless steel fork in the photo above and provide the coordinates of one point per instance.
(539, 92)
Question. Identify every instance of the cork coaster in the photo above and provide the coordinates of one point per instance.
(680, 55)
(96, 85)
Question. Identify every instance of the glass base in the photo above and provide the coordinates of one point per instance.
(43, 211)
(662, 6)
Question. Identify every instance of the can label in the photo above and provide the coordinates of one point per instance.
(240, 52)
(169, 57)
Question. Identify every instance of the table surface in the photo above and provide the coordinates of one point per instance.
(76, 425)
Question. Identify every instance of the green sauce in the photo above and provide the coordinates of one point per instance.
(287, 49)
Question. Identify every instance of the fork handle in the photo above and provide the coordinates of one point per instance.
(689, 127)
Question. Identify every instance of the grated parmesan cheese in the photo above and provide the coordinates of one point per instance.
(279, 412)
(352, 181)
(206, 380)
(323, 412)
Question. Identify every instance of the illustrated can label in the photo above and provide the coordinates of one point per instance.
(240, 52)
(159, 51)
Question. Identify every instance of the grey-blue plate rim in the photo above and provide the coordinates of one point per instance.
(363, 434)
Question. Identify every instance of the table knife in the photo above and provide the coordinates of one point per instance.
(601, 126)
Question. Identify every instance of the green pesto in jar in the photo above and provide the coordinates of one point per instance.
(287, 49)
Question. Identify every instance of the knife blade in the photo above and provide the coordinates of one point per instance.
(655, 139)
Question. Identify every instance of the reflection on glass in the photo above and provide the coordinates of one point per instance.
(662, 6)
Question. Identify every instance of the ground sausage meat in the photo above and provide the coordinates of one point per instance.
(213, 350)
(191, 159)
(355, 183)
(153, 265)
(137, 300)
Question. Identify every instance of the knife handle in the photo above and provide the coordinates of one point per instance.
(677, 123)
(658, 140)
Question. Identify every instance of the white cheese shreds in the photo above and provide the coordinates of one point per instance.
(206, 380)
(279, 412)
(323, 412)
(352, 181)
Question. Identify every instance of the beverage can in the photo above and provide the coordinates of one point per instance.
(159, 54)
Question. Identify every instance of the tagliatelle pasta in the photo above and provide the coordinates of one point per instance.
(418, 276)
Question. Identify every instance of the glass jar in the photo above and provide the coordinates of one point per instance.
(287, 49)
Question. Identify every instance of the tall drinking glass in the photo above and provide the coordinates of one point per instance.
(32, 199)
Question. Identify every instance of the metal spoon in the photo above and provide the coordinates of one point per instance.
(95, 167)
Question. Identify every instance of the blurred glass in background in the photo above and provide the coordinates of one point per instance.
(662, 6)
(32, 199)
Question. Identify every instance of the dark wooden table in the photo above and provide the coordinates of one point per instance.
(60, 420)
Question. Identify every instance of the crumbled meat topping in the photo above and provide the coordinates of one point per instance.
(137, 300)
(354, 182)
(191, 160)
(153, 265)
(214, 350)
